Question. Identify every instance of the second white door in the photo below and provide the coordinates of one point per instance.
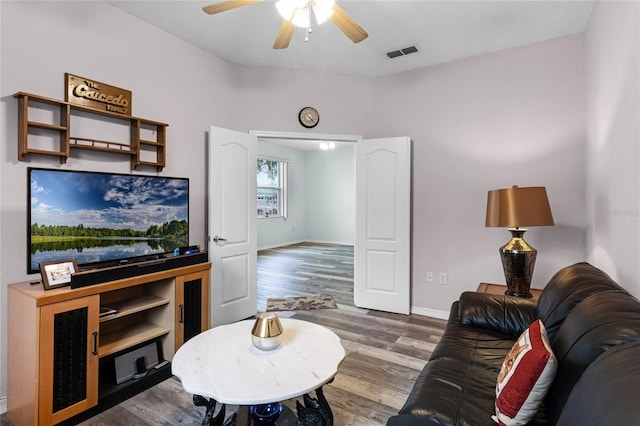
(382, 276)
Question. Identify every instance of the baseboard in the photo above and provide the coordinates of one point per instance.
(338, 243)
(430, 312)
(3, 404)
(289, 243)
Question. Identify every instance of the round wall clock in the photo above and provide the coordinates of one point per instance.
(308, 117)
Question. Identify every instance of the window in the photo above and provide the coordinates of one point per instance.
(272, 188)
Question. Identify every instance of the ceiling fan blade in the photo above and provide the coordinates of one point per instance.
(347, 25)
(284, 35)
(223, 6)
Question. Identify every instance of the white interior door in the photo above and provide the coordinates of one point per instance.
(232, 225)
(383, 225)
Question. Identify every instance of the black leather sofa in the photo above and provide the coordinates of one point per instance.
(593, 325)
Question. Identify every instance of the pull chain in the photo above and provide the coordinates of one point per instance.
(306, 37)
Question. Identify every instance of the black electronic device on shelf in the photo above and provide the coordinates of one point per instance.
(180, 251)
(154, 264)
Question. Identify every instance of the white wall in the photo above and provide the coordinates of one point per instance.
(3, 303)
(492, 121)
(613, 116)
(331, 196)
(515, 117)
(487, 122)
(321, 197)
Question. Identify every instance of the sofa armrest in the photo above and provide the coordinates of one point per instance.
(506, 314)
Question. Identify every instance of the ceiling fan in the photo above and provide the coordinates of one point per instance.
(298, 13)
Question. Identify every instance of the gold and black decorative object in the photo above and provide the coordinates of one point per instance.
(266, 333)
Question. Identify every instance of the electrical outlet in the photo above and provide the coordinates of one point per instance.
(443, 278)
(429, 277)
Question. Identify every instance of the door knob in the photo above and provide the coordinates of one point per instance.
(219, 240)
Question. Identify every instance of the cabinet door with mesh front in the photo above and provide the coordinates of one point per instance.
(68, 358)
(192, 306)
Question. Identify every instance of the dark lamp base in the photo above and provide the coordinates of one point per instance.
(518, 259)
(519, 294)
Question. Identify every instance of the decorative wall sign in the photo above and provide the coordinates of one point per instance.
(93, 94)
(57, 274)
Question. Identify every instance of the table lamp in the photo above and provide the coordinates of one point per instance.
(515, 208)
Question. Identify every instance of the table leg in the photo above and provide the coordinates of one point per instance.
(209, 418)
(314, 412)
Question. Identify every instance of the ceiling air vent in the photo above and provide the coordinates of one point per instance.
(402, 52)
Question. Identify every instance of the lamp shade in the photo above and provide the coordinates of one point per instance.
(518, 207)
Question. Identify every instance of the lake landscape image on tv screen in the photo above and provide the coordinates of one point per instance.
(95, 217)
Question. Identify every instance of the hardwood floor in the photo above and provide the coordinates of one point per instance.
(385, 352)
(306, 269)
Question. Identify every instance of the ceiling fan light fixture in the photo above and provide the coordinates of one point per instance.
(295, 11)
(301, 18)
(322, 9)
(298, 11)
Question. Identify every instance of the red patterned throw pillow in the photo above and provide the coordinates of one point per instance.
(525, 377)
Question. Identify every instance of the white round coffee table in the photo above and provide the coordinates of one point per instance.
(222, 363)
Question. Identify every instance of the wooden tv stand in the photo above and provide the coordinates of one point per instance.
(58, 346)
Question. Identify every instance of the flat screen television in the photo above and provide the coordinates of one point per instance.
(104, 219)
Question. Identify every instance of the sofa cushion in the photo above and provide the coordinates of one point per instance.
(525, 377)
(474, 345)
(507, 314)
(567, 288)
(452, 392)
(598, 323)
(615, 378)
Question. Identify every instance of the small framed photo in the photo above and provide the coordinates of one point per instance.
(58, 273)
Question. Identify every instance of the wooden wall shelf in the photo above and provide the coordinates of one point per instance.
(59, 129)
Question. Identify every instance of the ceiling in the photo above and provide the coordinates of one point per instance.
(443, 31)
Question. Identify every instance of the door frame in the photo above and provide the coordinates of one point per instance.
(261, 134)
(266, 134)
